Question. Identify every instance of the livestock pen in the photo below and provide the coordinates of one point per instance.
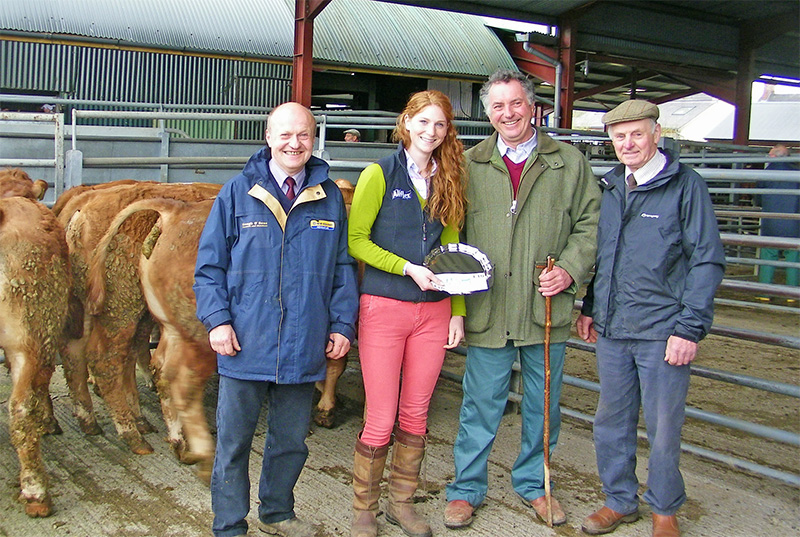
(100, 488)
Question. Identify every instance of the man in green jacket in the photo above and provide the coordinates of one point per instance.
(530, 197)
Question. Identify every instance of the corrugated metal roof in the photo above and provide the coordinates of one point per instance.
(198, 25)
(358, 34)
(398, 37)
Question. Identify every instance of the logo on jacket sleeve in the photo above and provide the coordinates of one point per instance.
(648, 215)
(400, 193)
(323, 224)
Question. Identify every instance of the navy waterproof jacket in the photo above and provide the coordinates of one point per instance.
(284, 281)
(659, 257)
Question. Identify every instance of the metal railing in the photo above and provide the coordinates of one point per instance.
(349, 120)
(57, 162)
(755, 429)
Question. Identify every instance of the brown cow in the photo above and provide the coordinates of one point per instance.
(75, 191)
(34, 290)
(115, 337)
(15, 182)
(325, 411)
(183, 361)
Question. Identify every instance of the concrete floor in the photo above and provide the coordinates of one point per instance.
(100, 489)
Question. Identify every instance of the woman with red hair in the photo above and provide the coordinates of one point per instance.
(404, 206)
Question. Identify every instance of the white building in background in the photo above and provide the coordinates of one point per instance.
(775, 117)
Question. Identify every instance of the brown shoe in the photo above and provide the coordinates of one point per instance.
(606, 520)
(458, 514)
(665, 526)
(540, 506)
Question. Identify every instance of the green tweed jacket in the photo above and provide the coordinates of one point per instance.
(555, 214)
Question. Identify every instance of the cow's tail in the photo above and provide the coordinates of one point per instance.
(96, 277)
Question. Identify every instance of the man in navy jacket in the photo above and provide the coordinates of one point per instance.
(276, 289)
(659, 262)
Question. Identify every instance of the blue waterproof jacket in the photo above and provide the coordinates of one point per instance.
(659, 257)
(284, 281)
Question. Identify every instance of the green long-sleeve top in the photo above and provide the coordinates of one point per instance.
(367, 202)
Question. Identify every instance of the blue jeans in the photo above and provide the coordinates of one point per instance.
(486, 384)
(285, 451)
(766, 272)
(633, 372)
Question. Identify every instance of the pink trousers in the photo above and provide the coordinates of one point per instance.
(400, 339)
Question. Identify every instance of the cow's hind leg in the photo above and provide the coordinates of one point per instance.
(76, 374)
(162, 382)
(26, 412)
(107, 356)
(140, 354)
(188, 369)
(325, 413)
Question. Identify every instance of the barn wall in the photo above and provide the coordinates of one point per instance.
(130, 76)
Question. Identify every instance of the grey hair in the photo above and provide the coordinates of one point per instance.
(653, 124)
(504, 76)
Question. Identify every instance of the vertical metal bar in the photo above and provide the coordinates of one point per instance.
(58, 177)
(323, 129)
(162, 132)
(74, 127)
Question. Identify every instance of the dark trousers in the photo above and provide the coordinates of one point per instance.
(633, 372)
(285, 451)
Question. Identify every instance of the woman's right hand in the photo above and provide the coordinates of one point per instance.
(423, 277)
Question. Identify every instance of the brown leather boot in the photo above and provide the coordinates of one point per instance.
(407, 455)
(368, 467)
(665, 526)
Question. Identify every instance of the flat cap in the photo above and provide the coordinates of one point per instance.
(632, 110)
(353, 131)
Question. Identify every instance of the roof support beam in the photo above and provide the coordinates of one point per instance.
(546, 72)
(614, 84)
(744, 90)
(674, 96)
(567, 44)
(717, 84)
(724, 90)
(305, 11)
(751, 36)
(531, 64)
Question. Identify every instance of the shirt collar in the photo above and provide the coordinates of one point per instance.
(414, 169)
(280, 175)
(419, 182)
(652, 167)
(521, 153)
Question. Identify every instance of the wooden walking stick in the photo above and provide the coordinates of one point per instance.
(546, 436)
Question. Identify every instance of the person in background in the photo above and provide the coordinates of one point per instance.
(773, 227)
(276, 290)
(659, 262)
(530, 197)
(404, 206)
(352, 135)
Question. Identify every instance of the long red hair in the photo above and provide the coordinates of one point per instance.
(447, 199)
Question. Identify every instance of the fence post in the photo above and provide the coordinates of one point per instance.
(58, 174)
(164, 149)
(73, 168)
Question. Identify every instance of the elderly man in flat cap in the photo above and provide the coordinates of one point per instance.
(352, 135)
(659, 262)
